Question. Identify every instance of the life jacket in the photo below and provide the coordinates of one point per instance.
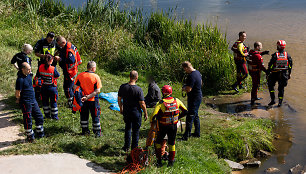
(72, 69)
(47, 75)
(253, 64)
(237, 54)
(171, 114)
(77, 99)
(281, 62)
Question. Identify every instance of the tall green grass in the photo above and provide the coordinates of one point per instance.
(121, 40)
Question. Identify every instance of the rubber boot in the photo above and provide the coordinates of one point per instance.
(158, 156)
(234, 86)
(252, 102)
(85, 131)
(171, 158)
(272, 95)
(280, 102)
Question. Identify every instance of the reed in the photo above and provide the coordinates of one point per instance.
(121, 40)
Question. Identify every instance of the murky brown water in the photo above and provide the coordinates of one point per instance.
(266, 21)
(268, 27)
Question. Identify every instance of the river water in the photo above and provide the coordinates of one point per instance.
(266, 21)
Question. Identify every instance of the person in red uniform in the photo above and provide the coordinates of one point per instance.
(167, 113)
(256, 65)
(49, 95)
(69, 59)
(91, 85)
(240, 53)
(279, 70)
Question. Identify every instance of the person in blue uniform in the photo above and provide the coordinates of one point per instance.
(21, 57)
(26, 98)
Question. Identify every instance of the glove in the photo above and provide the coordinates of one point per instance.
(265, 53)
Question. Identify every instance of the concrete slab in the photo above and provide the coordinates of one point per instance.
(48, 164)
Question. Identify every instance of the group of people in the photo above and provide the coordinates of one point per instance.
(279, 68)
(82, 91)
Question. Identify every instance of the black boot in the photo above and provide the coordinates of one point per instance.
(170, 163)
(159, 163)
(280, 102)
(252, 102)
(272, 95)
(234, 86)
(85, 131)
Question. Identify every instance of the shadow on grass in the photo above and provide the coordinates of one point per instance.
(58, 129)
(107, 150)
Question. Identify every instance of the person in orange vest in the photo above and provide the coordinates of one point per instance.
(91, 85)
(167, 113)
(48, 75)
(240, 53)
(279, 70)
(256, 65)
(69, 59)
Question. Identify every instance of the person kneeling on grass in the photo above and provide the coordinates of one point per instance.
(167, 113)
(90, 84)
(26, 98)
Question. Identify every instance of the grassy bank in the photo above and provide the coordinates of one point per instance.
(221, 137)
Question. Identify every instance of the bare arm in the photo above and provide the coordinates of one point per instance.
(144, 108)
(187, 89)
(96, 91)
(16, 66)
(17, 95)
(120, 104)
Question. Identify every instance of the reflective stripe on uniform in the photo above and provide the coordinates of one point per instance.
(29, 131)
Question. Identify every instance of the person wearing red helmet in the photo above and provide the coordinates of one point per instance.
(256, 65)
(167, 113)
(279, 70)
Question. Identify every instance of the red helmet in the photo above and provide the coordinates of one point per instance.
(167, 90)
(281, 44)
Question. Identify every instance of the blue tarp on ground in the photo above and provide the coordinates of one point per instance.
(112, 98)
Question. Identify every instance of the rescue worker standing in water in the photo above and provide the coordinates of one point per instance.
(240, 53)
(69, 59)
(91, 85)
(25, 97)
(167, 113)
(279, 70)
(256, 65)
(48, 75)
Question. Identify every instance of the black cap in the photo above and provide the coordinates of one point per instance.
(51, 34)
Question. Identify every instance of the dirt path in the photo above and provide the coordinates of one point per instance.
(9, 131)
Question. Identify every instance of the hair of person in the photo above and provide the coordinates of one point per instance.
(49, 57)
(133, 75)
(186, 64)
(241, 33)
(27, 47)
(91, 64)
(256, 44)
(60, 39)
(24, 65)
(51, 35)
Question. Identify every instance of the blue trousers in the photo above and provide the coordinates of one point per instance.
(132, 121)
(68, 88)
(49, 97)
(30, 109)
(193, 117)
(94, 108)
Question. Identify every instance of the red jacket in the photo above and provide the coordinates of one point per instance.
(255, 62)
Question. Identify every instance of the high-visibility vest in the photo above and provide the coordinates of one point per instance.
(47, 50)
(72, 69)
(47, 75)
(281, 62)
(171, 114)
(77, 99)
(237, 54)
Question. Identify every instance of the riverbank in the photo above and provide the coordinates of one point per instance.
(222, 135)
